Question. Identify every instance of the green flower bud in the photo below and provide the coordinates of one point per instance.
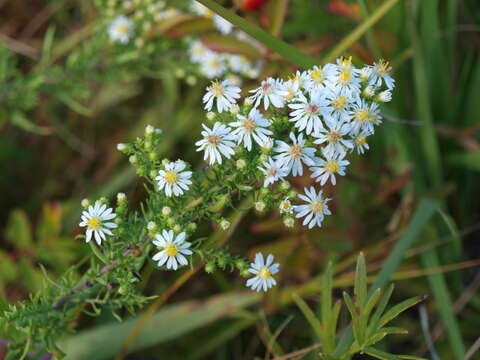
(210, 267)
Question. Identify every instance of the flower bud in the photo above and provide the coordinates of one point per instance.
(133, 159)
(191, 80)
(171, 222)
(180, 73)
(121, 197)
(284, 185)
(289, 221)
(151, 226)
(224, 224)
(149, 130)
(211, 115)
(166, 210)
(121, 147)
(85, 203)
(222, 261)
(210, 267)
(177, 228)
(234, 109)
(240, 164)
(260, 206)
(192, 227)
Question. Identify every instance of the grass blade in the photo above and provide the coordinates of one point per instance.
(287, 51)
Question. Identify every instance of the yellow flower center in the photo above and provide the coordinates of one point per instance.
(171, 250)
(213, 139)
(290, 94)
(122, 29)
(334, 136)
(249, 125)
(265, 273)
(214, 63)
(345, 76)
(340, 102)
(170, 177)
(361, 115)
(94, 223)
(286, 205)
(216, 88)
(317, 206)
(332, 166)
(360, 140)
(296, 151)
(383, 68)
(317, 76)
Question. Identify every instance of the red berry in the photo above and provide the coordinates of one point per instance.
(250, 5)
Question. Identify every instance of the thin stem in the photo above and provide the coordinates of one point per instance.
(97, 252)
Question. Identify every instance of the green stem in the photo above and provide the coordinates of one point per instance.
(97, 252)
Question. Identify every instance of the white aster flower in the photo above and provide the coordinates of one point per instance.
(263, 271)
(224, 93)
(173, 179)
(381, 73)
(292, 156)
(338, 103)
(318, 76)
(254, 125)
(364, 116)
(268, 92)
(285, 206)
(273, 171)
(346, 77)
(335, 138)
(239, 63)
(327, 168)
(96, 220)
(385, 96)
(216, 142)
(315, 209)
(121, 29)
(306, 112)
(212, 65)
(173, 249)
(222, 25)
(289, 89)
(200, 9)
(360, 142)
(198, 51)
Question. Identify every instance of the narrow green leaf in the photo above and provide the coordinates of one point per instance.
(228, 44)
(410, 357)
(357, 329)
(380, 354)
(467, 159)
(278, 12)
(373, 323)
(47, 44)
(310, 316)
(398, 309)
(19, 119)
(358, 32)
(372, 301)
(360, 287)
(287, 51)
(171, 322)
(424, 211)
(327, 313)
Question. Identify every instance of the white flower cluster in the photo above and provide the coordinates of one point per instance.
(332, 111)
(214, 64)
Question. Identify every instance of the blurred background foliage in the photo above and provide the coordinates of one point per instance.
(56, 150)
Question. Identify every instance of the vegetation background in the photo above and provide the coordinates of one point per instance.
(56, 153)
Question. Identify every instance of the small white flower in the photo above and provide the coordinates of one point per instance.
(292, 156)
(200, 9)
(239, 63)
(385, 96)
(263, 271)
(306, 112)
(289, 222)
(315, 209)
(289, 89)
(364, 116)
(121, 197)
(222, 25)
(285, 206)
(121, 29)
(173, 179)
(212, 65)
(166, 210)
(360, 141)
(318, 76)
(197, 51)
(151, 226)
(326, 169)
(173, 249)
(269, 92)
(338, 103)
(216, 142)
(335, 138)
(224, 93)
(95, 219)
(254, 125)
(273, 171)
(346, 77)
(381, 73)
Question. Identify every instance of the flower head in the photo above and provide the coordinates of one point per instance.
(222, 25)
(327, 168)
(172, 250)
(273, 171)
(292, 156)
(306, 112)
(315, 209)
(335, 138)
(224, 93)
(268, 92)
(263, 271)
(121, 29)
(381, 72)
(216, 142)
(254, 125)
(212, 65)
(173, 179)
(285, 206)
(96, 220)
